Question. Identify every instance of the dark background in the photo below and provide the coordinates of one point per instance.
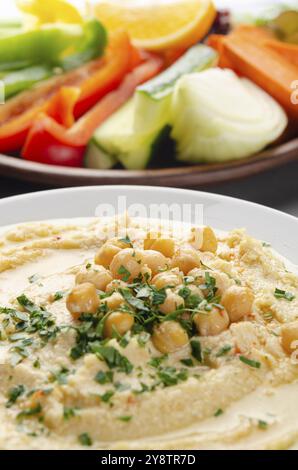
(277, 188)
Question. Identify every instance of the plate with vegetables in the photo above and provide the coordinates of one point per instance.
(93, 98)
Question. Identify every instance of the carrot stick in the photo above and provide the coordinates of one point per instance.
(245, 50)
(289, 51)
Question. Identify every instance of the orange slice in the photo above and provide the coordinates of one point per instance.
(158, 24)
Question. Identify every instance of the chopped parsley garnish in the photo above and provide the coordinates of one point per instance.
(13, 394)
(27, 413)
(121, 387)
(127, 241)
(112, 357)
(124, 273)
(262, 424)
(218, 412)
(184, 292)
(85, 439)
(107, 396)
(210, 286)
(103, 377)
(282, 294)
(40, 320)
(61, 376)
(34, 278)
(58, 295)
(172, 376)
(144, 388)
(158, 296)
(196, 350)
(187, 362)
(133, 301)
(88, 265)
(125, 419)
(36, 364)
(250, 362)
(156, 361)
(69, 412)
(224, 350)
(144, 292)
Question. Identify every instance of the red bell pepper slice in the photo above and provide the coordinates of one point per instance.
(61, 107)
(49, 142)
(94, 80)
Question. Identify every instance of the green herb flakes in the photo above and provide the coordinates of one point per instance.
(224, 350)
(262, 424)
(69, 413)
(187, 362)
(29, 412)
(124, 273)
(250, 362)
(103, 377)
(107, 396)
(112, 357)
(85, 439)
(125, 419)
(127, 241)
(196, 350)
(13, 394)
(172, 376)
(282, 294)
(58, 295)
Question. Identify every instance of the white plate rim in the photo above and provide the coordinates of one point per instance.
(276, 227)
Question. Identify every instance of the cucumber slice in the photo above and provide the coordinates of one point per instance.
(153, 98)
(97, 158)
(134, 132)
(117, 138)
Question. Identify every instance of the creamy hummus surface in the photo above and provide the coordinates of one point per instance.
(120, 335)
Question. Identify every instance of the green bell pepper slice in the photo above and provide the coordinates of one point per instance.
(19, 80)
(29, 57)
(65, 46)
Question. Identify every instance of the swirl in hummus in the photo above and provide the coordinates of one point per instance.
(145, 339)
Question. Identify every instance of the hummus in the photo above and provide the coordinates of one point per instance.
(145, 339)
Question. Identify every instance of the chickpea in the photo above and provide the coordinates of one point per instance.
(108, 250)
(195, 290)
(212, 323)
(222, 280)
(100, 277)
(186, 259)
(172, 302)
(116, 284)
(166, 246)
(170, 278)
(238, 301)
(113, 301)
(82, 299)
(118, 322)
(204, 239)
(289, 335)
(127, 264)
(154, 260)
(169, 337)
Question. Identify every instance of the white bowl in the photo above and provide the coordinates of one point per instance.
(221, 212)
